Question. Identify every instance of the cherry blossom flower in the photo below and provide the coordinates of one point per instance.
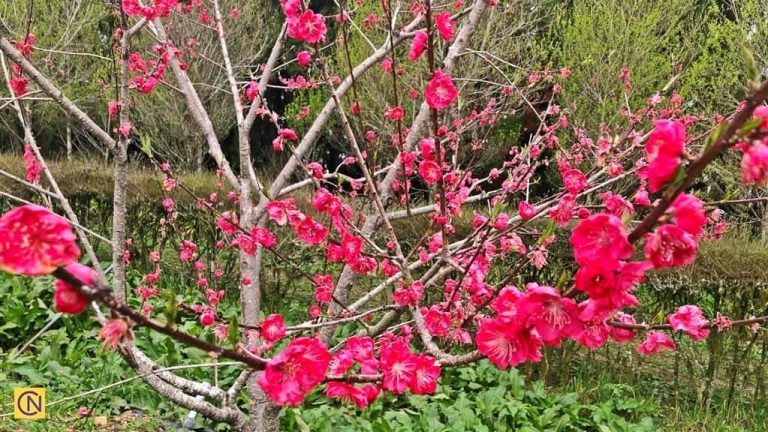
(754, 164)
(273, 328)
(34, 241)
(114, 332)
(601, 238)
(323, 288)
(623, 335)
(279, 211)
(574, 180)
(310, 231)
(429, 171)
(32, 167)
(690, 319)
(307, 27)
(417, 45)
(394, 113)
(445, 26)
(398, 365)
(303, 58)
(508, 343)
(440, 91)
(656, 342)
(670, 246)
(408, 293)
(687, 212)
(66, 298)
(554, 317)
(663, 149)
(295, 371)
(264, 237)
(525, 210)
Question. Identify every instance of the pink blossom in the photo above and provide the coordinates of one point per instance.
(347, 393)
(594, 332)
(429, 171)
(426, 375)
(114, 332)
(315, 311)
(688, 213)
(656, 342)
(398, 365)
(754, 164)
(623, 335)
(574, 180)
(663, 149)
(436, 321)
(553, 316)
(505, 304)
(690, 319)
(125, 128)
(295, 371)
(264, 237)
(408, 293)
(502, 222)
(34, 241)
(440, 91)
(323, 288)
(525, 210)
(394, 113)
(601, 238)
(66, 298)
(19, 85)
(303, 58)
(316, 169)
(31, 166)
(307, 26)
(227, 223)
(113, 107)
(641, 198)
(417, 45)
(208, 317)
(445, 25)
(187, 251)
(279, 211)
(670, 246)
(507, 343)
(310, 231)
(273, 328)
(252, 90)
(169, 204)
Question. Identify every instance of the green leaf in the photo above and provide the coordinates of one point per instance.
(233, 331)
(146, 145)
(748, 126)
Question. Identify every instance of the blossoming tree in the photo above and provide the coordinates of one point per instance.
(442, 300)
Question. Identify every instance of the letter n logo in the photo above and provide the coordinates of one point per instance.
(29, 403)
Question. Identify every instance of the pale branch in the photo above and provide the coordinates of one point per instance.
(51, 90)
(197, 110)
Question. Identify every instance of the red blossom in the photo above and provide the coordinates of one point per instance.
(66, 298)
(440, 91)
(295, 371)
(34, 241)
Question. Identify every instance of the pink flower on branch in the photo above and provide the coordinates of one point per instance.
(66, 298)
(690, 319)
(295, 371)
(440, 92)
(656, 342)
(34, 241)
